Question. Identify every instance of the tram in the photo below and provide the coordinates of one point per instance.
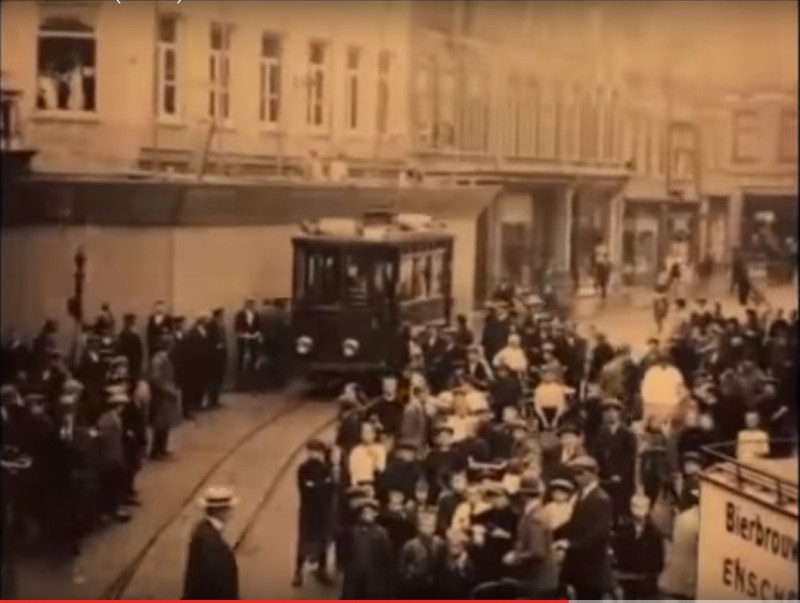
(357, 282)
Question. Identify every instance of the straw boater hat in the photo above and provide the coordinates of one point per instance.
(218, 497)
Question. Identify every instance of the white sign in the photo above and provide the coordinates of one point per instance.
(748, 550)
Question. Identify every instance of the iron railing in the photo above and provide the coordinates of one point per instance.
(755, 477)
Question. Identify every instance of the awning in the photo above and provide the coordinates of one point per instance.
(125, 203)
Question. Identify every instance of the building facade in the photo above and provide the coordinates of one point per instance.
(763, 162)
(605, 125)
(241, 88)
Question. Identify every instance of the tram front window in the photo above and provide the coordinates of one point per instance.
(357, 281)
(321, 278)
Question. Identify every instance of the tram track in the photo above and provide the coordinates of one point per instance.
(119, 586)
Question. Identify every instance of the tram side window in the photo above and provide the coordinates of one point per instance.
(322, 278)
(357, 280)
(382, 279)
(421, 276)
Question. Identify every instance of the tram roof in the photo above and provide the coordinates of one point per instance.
(390, 238)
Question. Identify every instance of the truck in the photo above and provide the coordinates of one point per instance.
(748, 527)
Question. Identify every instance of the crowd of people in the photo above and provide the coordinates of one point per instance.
(542, 463)
(79, 420)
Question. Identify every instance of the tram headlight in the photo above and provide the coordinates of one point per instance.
(350, 348)
(304, 345)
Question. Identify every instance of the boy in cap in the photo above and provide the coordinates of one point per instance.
(443, 460)
(616, 449)
(111, 455)
(562, 500)
(397, 520)
(403, 470)
(369, 566)
(532, 557)
(421, 559)
(316, 488)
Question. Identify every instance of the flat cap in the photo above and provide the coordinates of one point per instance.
(316, 445)
(584, 462)
(611, 402)
(561, 484)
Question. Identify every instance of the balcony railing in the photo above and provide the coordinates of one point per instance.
(770, 479)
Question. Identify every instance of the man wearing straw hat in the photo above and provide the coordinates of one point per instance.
(211, 570)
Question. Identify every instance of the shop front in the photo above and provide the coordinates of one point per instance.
(658, 234)
(591, 233)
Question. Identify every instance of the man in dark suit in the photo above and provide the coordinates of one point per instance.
(248, 335)
(218, 340)
(211, 570)
(199, 366)
(587, 565)
(615, 449)
(129, 344)
(158, 325)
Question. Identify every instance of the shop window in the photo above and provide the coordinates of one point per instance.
(424, 106)
(515, 251)
(66, 66)
(745, 136)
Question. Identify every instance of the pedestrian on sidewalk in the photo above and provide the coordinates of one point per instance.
(211, 571)
(164, 408)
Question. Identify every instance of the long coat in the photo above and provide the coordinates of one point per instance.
(164, 405)
(587, 563)
(369, 565)
(211, 571)
(316, 486)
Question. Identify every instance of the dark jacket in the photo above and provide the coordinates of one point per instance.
(129, 344)
(211, 571)
(369, 566)
(587, 563)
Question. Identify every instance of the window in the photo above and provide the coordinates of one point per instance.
(421, 276)
(270, 77)
(317, 84)
(609, 128)
(219, 72)
(424, 103)
(66, 67)
(167, 66)
(528, 121)
(473, 114)
(444, 128)
(353, 92)
(745, 141)
(787, 137)
(382, 102)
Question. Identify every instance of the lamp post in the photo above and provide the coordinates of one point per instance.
(75, 304)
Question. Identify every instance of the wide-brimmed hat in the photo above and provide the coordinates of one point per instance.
(218, 497)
